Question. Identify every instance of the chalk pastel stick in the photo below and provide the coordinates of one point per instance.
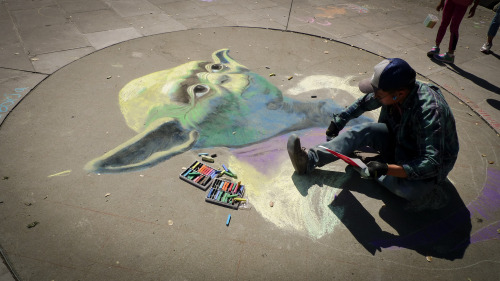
(202, 168)
(208, 159)
(199, 178)
(194, 173)
(206, 180)
(210, 193)
(203, 153)
(228, 219)
(237, 187)
(196, 165)
(186, 172)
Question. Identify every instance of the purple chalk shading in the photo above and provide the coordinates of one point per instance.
(486, 206)
(488, 202)
(488, 233)
(269, 154)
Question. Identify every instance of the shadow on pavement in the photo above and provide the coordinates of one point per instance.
(494, 103)
(495, 55)
(442, 233)
(475, 79)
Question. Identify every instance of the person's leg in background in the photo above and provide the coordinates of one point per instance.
(492, 32)
(457, 14)
(445, 22)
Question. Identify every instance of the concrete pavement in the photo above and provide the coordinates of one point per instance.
(68, 60)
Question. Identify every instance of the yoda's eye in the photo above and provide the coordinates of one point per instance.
(200, 90)
(216, 67)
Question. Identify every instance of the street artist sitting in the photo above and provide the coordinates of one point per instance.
(415, 135)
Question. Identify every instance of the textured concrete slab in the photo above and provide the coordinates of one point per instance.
(188, 10)
(49, 63)
(40, 17)
(95, 21)
(155, 24)
(14, 86)
(208, 21)
(148, 224)
(72, 6)
(133, 8)
(12, 54)
(53, 38)
(253, 19)
(30, 4)
(103, 39)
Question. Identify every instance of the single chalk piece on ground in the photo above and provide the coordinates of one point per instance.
(228, 219)
(271, 204)
(208, 159)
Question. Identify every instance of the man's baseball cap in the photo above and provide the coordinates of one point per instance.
(390, 74)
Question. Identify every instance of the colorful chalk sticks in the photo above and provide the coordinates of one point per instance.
(199, 175)
(224, 193)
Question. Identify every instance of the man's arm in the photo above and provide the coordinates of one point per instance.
(360, 106)
(396, 171)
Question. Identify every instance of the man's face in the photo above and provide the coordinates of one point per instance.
(384, 97)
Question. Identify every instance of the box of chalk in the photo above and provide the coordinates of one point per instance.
(226, 193)
(199, 175)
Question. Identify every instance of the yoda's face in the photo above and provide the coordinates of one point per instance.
(195, 91)
(196, 104)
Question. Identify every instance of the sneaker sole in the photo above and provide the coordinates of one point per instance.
(293, 145)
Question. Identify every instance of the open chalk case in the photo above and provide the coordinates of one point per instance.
(199, 175)
(225, 193)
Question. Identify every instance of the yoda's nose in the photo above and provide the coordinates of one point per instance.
(214, 78)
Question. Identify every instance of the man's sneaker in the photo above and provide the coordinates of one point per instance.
(446, 57)
(434, 200)
(297, 154)
(486, 48)
(434, 51)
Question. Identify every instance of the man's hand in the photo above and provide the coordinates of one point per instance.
(377, 169)
(332, 131)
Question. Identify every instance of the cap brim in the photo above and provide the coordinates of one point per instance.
(365, 86)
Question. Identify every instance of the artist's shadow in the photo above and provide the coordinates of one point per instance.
(317, 178)
(443, 233)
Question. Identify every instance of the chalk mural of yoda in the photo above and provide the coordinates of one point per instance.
(204, 104)
(222, 103)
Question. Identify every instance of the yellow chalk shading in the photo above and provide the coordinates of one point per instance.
(308, 213)
(63, 173)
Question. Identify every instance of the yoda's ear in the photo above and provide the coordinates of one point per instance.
(222, 56)
(161, 140)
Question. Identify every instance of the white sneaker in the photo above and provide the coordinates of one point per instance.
(486, 48)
